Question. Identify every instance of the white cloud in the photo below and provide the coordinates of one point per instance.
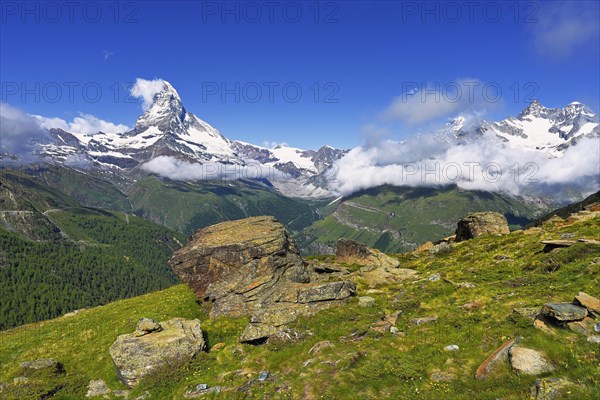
(145, 90)
(85, 124)
(426, 102)
(486, 164)
(172, 168)
(20, 133)
(564, 27)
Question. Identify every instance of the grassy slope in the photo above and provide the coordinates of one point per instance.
(416, 214)
(509, 271)
(57, 256)
(187, 207)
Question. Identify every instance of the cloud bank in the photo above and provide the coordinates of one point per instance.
(85, 124)
(20, 133)
(145, 90)
(173, 168)
(486, 164)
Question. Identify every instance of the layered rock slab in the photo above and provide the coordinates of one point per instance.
(252, 267)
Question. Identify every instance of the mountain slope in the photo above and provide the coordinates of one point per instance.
(394, 219)
(56, 256)
(506, 273)
(189, 206)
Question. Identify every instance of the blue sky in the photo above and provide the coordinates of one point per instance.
(351, 60)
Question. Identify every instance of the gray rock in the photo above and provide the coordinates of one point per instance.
(394, 330)
(549, 389)
(147, 325)
(135, 357)
(121, 393)
(481, 223)
(200, 390)
(326, 291)
(434, 277)
(452, 347)
(252, 267)
(366, 301)
(19, 380)
(594, 339)
(597, 327)
(442, 376)
(529, 362)
(564, 311)
(355, 252)
(422, 320)
(97, 388)
(527, 312)
(265, 375)
(42, 365)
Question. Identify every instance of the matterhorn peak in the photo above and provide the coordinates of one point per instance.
(166, 111)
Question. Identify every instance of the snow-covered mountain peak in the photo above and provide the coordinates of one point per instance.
(535, 109)
(166, 112)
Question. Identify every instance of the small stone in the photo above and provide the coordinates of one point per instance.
(564, 311)
(527, 312)
(146, 326)
(452, 347)
(264, 376)
(121, 393)
(441, 376)
(20, 380)
(543, 325)
(422, 320)
(597, 327)
(529, 362)
(498, 356)
(434, 277)
(465, 285)
(366, 301)
(584, 327)
(394, 330)
(218, 346)
(97, 388)
(201, 386)
(589, 302)
(549, 388)
(594, 339)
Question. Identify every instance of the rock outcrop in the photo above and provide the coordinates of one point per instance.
(354, 252)
(177, 341)
(481, 223)
(252, 267)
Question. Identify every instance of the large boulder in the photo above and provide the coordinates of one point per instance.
(481, 223)
(252, 267)
(355, 252)
(235, 266)
(176, 342)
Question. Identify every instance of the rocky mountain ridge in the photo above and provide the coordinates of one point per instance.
(167, 131)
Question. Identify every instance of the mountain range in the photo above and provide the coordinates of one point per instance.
(167, 136)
